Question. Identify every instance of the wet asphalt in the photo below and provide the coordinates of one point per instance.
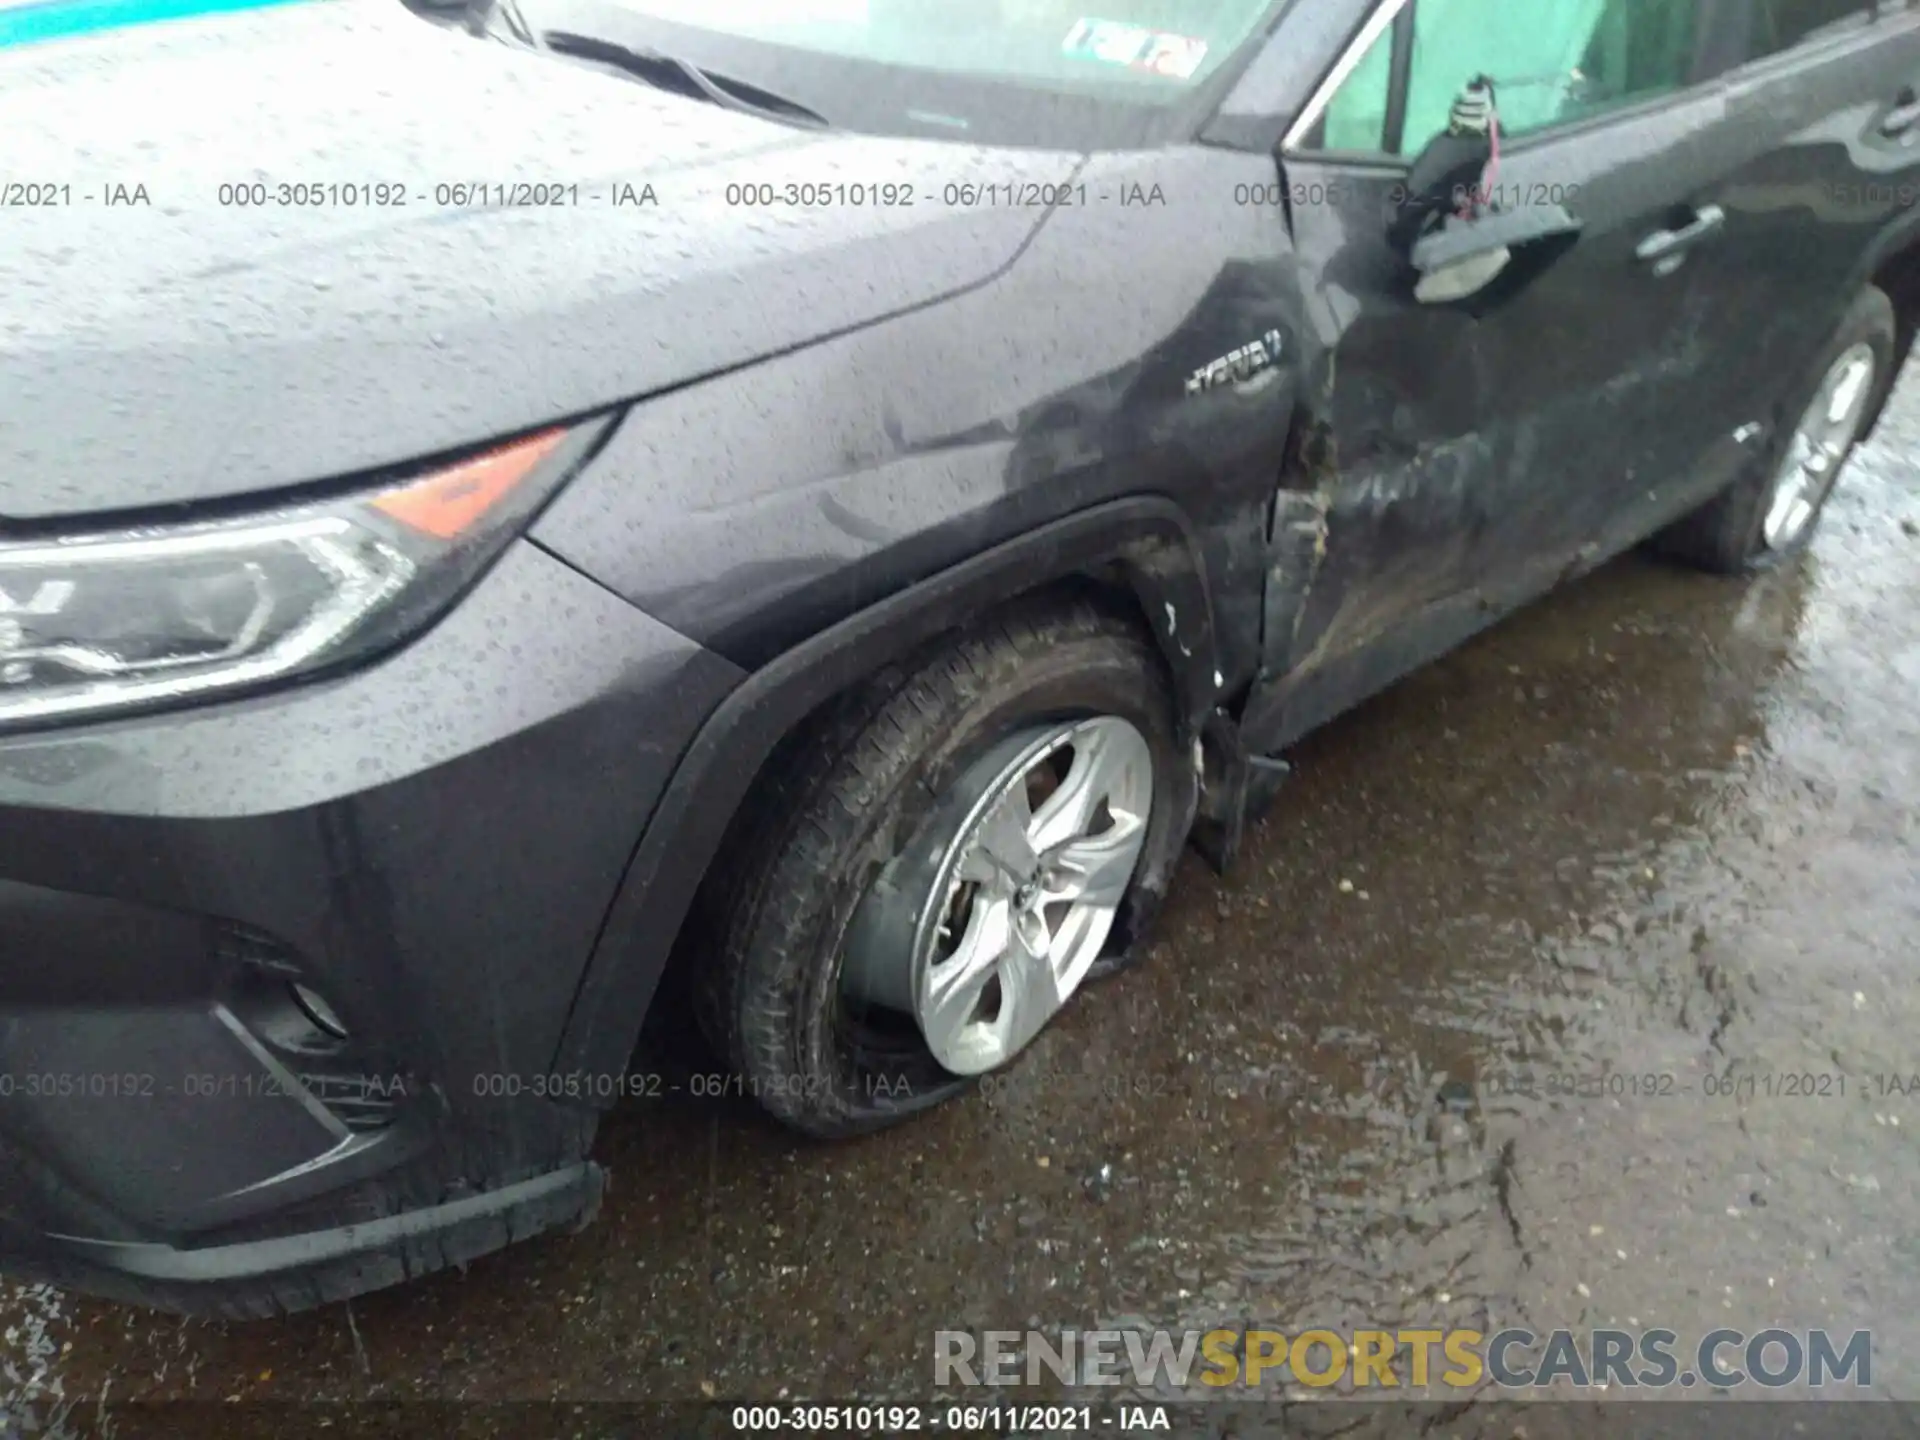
(1660, 826)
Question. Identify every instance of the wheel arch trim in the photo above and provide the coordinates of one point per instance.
(1892, 264)
(1147, 540)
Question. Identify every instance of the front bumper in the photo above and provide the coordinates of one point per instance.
(430, 845)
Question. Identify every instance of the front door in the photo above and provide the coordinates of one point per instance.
(1481, 448)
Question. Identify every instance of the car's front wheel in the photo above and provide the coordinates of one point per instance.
(931, 872)
(1771, 513)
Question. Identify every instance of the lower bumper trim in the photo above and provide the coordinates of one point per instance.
(527, 1206)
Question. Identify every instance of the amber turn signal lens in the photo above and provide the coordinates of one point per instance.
(448, 502)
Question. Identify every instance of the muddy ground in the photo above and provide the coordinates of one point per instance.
(1661, 826)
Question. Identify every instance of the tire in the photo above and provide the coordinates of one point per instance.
(850, 801)
(1730, 533)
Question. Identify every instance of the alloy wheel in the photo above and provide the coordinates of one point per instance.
(989, 921)
(1818, 448)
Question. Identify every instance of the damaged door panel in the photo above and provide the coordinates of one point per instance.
(1459, 457)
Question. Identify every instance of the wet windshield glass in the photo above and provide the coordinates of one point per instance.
(1144, 48)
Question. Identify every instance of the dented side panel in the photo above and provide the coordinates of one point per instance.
(1452, 461)
(1145, 342)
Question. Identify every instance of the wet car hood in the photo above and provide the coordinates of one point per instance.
(185, 349)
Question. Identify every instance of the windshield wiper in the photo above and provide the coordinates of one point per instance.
(683, 77)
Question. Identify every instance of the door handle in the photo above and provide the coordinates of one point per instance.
(1670, 245)
(1903, 117)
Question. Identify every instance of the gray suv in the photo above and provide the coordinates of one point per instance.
(498, 496)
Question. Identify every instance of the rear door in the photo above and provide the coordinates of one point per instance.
(1825, 169)
(1481, 450)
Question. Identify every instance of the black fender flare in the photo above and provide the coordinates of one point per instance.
(1147, 541)
(1898, 243)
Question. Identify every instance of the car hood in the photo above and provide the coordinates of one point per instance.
(162, 343)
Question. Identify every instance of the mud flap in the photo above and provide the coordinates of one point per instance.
(1235, 787)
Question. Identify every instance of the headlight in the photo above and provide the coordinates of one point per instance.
(107, 621)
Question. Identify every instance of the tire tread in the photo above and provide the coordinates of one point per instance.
(810, 811)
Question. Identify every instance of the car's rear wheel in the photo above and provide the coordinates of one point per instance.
(1771, 514)
(931, 872)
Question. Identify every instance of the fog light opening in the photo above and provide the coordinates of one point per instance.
(318, 1011)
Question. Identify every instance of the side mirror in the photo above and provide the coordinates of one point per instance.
(1465, 256)
(1450, 166)
(1459, 250)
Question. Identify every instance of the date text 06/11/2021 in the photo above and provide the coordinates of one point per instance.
(1655, 1085)
(1788, 1085)
(894, 1419)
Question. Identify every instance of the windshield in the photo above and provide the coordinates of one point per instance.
(1153, 44)
(924, 65)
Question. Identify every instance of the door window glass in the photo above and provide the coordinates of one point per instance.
(1569, 59)
(1357, 114)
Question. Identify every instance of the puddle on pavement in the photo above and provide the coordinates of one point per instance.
(1657, 829)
